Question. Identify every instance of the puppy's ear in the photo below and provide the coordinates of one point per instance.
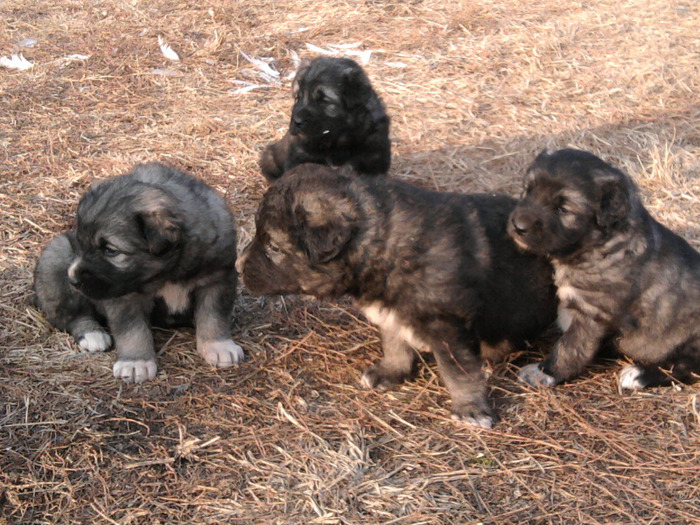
(614, 203)
(356, 85)
(301, 73)
(160, 226)
(324, 225)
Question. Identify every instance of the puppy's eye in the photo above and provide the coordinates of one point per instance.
(561, 209)
(273, 248)
(108, 250)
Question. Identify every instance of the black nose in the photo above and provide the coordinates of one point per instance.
(520, 224)
(297, 121)
(74, 279)
(76, 276)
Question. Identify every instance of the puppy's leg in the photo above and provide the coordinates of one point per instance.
(296, 155)
(136, 357)
(395, 367)
(572, 352)
(213, 307)
(683, 365)
(89, 334)
(65, 308)
(456, 352)
(273, 158)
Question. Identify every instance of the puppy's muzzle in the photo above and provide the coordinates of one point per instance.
(522, 223)
(76, 273)
(297, 121)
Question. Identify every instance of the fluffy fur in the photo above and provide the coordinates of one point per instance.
(435, 271)
(337, 119)
(153, 245)
(621, 275)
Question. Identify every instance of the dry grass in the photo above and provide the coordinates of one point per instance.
(289, 436)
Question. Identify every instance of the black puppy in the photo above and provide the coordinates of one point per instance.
(620, 274)
(337, 119)
(435, 271)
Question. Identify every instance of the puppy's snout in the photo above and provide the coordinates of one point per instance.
(522, 223)
(297, 121)
(76, 273)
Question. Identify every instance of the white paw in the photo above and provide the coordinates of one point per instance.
(533, 375)
(366, 381)
(629, 378)
(481, 420)
(135, 371)
(96, 341)
(222, 353)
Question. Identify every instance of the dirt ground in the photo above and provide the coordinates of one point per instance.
(474, 90)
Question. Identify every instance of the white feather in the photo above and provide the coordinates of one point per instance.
(16, 62)
(316, 49)
(168, 51)
(246, 86)
(263, 65)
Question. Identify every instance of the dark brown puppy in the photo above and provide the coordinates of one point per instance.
(154, 245)
(620, 274)
(435, 271)
(337, 119)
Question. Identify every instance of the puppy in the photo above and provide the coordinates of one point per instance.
(620, 274)
(153, 245)
(337, 119)
(435, 271)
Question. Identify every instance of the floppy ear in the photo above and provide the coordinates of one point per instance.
(325, 228)
(301, 73)
(356, 84)
(614, 201)
(160, 228)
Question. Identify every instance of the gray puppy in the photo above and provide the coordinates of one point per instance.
(621, 275)
(154, 245)
(435, 271)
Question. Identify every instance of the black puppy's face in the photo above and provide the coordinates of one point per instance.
(330, 96)
(304, 226)
(126, 236)
(572, 200)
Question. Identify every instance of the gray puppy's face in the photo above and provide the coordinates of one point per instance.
(127, 234)
(304, 226)
(572, 201)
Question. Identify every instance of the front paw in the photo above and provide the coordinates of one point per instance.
(95, 341)
(135, 371)
(533, 375)
(379, 377)
(479, 414)
(222, 354)
(632, 378)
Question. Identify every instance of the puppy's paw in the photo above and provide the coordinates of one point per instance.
(95, 341)
(533, 375)
(381, 378)
(222, 354)
(136, 371)
(479, 415)
(631, 378)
